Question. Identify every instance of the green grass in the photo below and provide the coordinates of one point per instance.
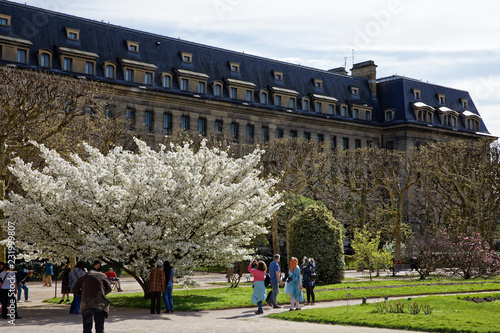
(451, 314)
(223, 297)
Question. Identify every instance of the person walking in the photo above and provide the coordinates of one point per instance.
(258, 270)
(167, 295)
(23, 276)
(73, 277)
(275, 274)
(65, 286)
(93, 287)
(156, 287)
(307, 282)
(293, 286)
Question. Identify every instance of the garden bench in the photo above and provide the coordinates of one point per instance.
(406, 269)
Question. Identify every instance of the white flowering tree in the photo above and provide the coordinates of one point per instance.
(130, 209)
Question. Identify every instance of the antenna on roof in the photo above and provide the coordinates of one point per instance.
(352, 58)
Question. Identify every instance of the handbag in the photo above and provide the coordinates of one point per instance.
(289, 279)
(313, 276)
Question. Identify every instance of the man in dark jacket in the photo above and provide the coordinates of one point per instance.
(92, 288)
(23, 276)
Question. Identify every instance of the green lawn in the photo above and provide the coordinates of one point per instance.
(451, 314)
(223, 297)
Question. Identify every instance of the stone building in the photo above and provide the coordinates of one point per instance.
(162, 84)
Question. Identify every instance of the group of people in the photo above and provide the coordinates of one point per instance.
(161, 281)
(89, 290)
(298, 278)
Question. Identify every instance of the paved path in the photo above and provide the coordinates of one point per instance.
(43, 317)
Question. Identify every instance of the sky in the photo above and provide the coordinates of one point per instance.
(450, 43)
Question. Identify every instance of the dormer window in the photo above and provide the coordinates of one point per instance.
(72, 34)
(305, 104)
(192, 81)
(242, 90)
(132, 46)
(442, 99)
(263, 97)
(355, 91)
(235, 67)
(186, 57)
(317, 107)
(464, 102)
(355, 113)
(110, 70)
(343, 111)
(217, 89)
(416, 93)
(166, 80)
(278, 76)
(45, 58)
(389, 115)
(138, 72)
(5, 20)
(318, 84)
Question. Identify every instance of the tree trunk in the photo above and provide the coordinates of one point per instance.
(274, 231)
(144, 283)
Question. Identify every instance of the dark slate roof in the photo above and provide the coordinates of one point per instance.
(46, 30)
(396, 92)
(109, 42)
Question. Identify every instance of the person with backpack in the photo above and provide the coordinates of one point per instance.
(73, 277)
(258, 270)
(309, 277)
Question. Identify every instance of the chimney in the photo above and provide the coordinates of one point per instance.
(366, 70)
(338, 70)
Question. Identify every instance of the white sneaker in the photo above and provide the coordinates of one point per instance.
(27, 300)
(20, 301)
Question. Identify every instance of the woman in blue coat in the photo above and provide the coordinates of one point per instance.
(294, 287)
(48, 272)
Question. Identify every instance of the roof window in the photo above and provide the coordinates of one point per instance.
(72, 34)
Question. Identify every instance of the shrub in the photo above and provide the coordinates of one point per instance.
(315, 233)
(468, 254)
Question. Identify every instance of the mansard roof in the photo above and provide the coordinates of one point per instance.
(398, 93)
(47, 30)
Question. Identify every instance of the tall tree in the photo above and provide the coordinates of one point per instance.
(130, 209)
(467, 177)
(291, 161)
(395, 173)
(38, 106)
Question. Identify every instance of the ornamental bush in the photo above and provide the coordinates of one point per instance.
(314, 233)
(468, 254)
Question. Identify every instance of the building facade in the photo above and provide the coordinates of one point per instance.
(163, 84)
